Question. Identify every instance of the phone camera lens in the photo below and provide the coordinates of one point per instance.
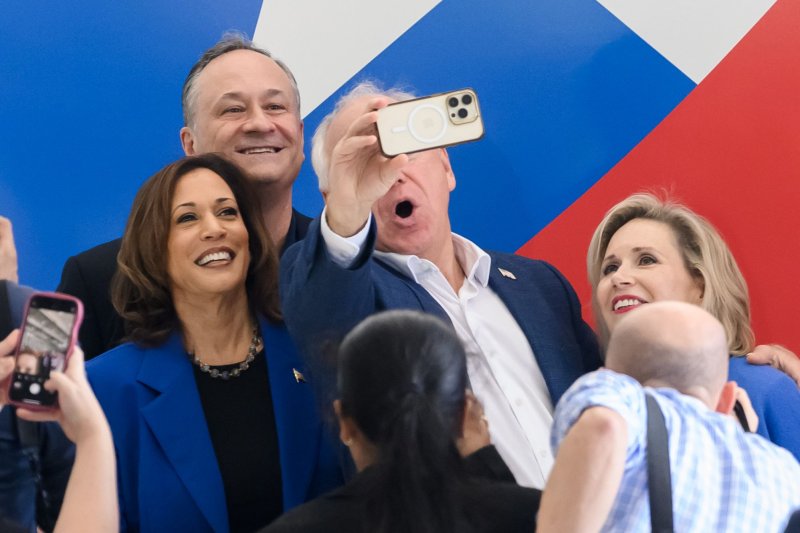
(453, 101)
(466, 99)
(462, 113)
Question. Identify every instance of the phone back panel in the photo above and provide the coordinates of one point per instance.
(434, 121)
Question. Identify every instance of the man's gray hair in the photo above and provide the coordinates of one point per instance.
(232, 40)
(320, 153)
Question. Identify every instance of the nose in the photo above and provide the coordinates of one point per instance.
(258, 120)
(621, 277)
(212, 229)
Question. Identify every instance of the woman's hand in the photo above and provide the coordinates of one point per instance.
(778, 357)
(475, 428)
(78, 412)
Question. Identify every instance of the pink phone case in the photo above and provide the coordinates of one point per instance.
(73, 337)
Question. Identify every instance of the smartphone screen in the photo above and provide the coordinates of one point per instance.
(46, 337)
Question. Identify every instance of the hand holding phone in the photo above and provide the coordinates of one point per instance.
(435, 121)
(48, 334)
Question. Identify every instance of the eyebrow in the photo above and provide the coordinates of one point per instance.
(193, 204)
(634, 249)
(236, 95)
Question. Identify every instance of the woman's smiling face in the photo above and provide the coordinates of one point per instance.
(208, 246)
(643, 264)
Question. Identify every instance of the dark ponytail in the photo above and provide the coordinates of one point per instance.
(402, 378)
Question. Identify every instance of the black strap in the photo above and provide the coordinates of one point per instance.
(741, 417)
(659, 479)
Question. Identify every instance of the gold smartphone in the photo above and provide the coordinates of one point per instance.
(434, 121)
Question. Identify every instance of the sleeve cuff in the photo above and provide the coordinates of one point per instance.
(343, 250)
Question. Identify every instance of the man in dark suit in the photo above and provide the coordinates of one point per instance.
(241, 102)
(384, 242)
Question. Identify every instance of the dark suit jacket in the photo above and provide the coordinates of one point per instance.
(168, 476)
(322, 301)
(88, 276)
(488, 504)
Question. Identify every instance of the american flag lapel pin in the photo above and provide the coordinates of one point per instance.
(506, 273)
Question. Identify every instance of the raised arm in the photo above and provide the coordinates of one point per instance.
(587, 473)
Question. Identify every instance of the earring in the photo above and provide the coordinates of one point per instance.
(348, 442)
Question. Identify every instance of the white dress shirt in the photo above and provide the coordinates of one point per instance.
(502, 369)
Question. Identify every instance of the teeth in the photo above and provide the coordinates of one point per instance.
(216, 256)
(628, 302)
(261, 150)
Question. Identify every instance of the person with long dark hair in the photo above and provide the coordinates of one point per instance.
(213, 429)
(402, 409)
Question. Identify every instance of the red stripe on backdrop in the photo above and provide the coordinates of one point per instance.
(731, 152)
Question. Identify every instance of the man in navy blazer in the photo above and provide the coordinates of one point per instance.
(384, 242)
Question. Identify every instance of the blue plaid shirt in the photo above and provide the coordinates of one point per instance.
(723, 479)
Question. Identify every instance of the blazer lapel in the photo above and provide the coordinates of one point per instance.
(187, 444)
(296, 417)
(529, 306)
(403, 292)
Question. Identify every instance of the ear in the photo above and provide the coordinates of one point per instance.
(187, 141)
(451, 178)
(727, 398)
(345, 424)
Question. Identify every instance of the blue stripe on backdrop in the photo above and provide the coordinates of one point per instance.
(566, 91)
(91, 107)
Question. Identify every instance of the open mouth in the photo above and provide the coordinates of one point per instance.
(621, 305)
(404, 209)
(212, 258)
(260, 150)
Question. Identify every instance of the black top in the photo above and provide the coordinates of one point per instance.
(488, 505)
(88, 276)
(241, 423)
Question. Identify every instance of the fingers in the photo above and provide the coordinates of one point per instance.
(75, 365)
(363, 125)
(6, 367)
(8, 344)
(8, 252)
(37, 416)
(763, 354)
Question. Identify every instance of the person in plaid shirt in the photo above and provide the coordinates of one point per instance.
(723, 479)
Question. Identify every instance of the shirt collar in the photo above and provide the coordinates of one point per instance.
(474, 262)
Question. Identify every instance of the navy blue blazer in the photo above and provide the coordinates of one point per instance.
(321, 302)
(167, 471)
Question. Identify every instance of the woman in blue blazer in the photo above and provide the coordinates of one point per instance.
(214, 426)
(647, 250)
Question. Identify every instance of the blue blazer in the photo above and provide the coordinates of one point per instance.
(167, 471)
(322, 302)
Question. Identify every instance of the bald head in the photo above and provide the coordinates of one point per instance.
(672, 344)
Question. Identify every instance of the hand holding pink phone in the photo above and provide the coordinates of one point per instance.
(47, 337)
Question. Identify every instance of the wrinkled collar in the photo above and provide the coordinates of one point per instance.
(475, 263)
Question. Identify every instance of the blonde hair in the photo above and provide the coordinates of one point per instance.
(705, 254)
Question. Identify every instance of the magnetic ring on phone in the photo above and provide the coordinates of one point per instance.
(427, 123)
